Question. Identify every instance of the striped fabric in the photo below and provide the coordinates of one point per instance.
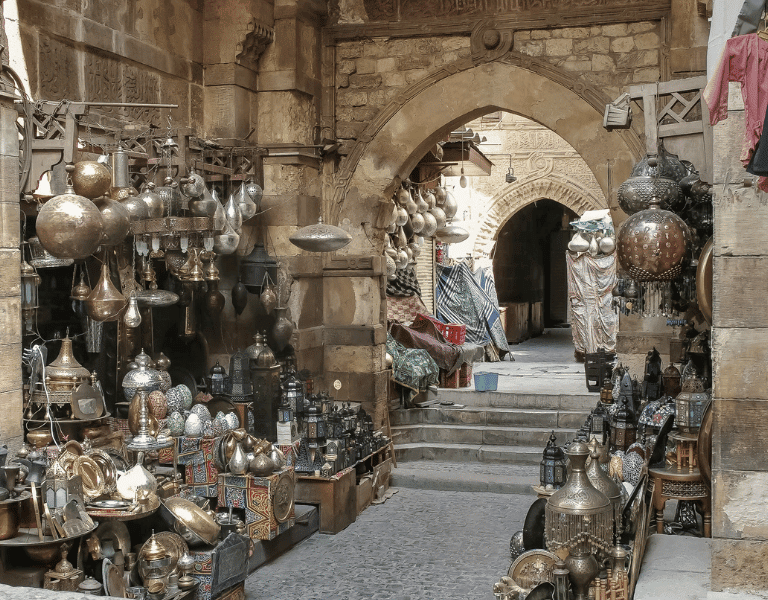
(465, 298)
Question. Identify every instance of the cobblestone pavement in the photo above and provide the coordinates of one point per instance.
(418, 545)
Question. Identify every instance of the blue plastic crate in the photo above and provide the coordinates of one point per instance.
(486, 382)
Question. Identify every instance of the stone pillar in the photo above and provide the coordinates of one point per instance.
(11, 431)
(739, 353)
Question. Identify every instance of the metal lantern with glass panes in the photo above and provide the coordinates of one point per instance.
(691, 402)
(598, 423)
(154, 562)
(217, 380)
(624, 426)
(293, 391)
(239, 383)
(316, 430)
(285, 411)
(553, 466)
(58, 489)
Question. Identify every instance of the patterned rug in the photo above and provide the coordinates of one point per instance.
(405, 283)
(403, 309)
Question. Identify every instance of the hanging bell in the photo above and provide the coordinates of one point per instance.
(105, 302)
(196, 274)
(211, 271)
(234, 216)
(132, 317)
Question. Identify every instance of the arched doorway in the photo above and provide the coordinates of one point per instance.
(393, 143)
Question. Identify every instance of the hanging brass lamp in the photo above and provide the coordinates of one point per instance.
(321, 237)
(105, 302)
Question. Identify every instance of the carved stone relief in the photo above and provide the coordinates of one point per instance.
(59, 79)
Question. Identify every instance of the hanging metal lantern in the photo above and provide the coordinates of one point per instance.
(248, 207)
(91, 179)
(321, 237)
(635, 193)
(663, 164)
(552, 469)
(70, 226)
(452, 234)
(30, 281)
(439, 215)
(115, 221)
(105, 302)
(193, 186)
(255, 267)
(653, 244)
(430, 224)
(155, 206)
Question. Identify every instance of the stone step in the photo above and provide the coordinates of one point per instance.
(518, 455)
(471, 398)
(457, 477)
(489, 416)
(478, 434)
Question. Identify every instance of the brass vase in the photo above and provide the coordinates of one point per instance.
(105, 302)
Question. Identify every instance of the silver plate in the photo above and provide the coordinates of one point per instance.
(156, 298)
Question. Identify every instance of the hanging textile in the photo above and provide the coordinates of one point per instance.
(743, 60)
(590, 282)
(412, 368)
(403, 309)
(460, 298)
(405, 283)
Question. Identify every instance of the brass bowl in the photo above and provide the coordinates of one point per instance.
(45, 554)
(191, 519)
(39, 438)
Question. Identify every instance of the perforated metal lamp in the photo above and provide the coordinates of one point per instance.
(553, 465)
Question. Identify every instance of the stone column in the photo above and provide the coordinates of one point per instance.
(739, 353)
(10, 289)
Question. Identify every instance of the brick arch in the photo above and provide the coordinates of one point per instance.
(393, 142)
(517, 195)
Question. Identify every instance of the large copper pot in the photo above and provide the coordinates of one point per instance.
(70, 226)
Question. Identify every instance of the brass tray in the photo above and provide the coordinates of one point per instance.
(105, 514)
(282, 502)
(532, 568)
(92, 476)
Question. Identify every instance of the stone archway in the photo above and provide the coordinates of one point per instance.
(392, 144)
(512, 198)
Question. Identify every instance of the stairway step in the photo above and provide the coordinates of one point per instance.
(469, 397)
(517, 455)
(477, 434)
(554, 419)
(513, 479)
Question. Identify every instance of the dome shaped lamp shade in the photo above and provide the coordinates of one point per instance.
(452, 234)
(255, 267)
(320, 237)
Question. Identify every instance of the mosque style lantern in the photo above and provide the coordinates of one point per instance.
(579, 518)
(240, 388)
(265, 382)
(653, 244)
(624, 427)
(217, 380)
(256, 268)
(691, 402)
(553, 465)
(316, 426)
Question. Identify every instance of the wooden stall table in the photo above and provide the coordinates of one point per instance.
(686, 449)
(670, 484)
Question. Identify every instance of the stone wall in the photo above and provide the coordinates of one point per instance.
(740, 395)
